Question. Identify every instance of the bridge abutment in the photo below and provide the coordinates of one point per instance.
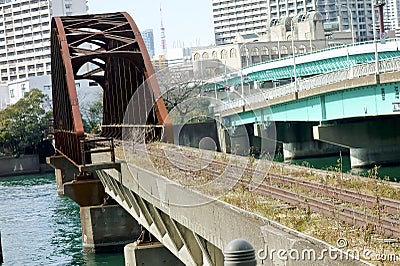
(372, 141)
(307, 149)
(107, 228)
(64, 171)
(148, 254)
(365, 157)
(298, 142)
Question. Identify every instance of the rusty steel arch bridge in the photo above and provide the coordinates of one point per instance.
(109, 50)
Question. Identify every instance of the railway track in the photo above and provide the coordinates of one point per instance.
(326, 200)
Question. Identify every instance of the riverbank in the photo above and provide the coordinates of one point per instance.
(23, 165)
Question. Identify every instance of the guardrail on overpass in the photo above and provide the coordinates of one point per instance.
(384, 66)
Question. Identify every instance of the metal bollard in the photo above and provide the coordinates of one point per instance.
(239, 252)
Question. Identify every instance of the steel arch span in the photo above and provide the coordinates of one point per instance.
(109, 50)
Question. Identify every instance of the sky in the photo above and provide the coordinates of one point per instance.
(187, 23)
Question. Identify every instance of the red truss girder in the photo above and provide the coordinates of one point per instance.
(120, 63)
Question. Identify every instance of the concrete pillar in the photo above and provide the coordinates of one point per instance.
(309, 149)
(221, 137)
(371, 156)
(107, 228)
(239, 140)
(65, 171)
(372, 140)
(88, 192)
(59, 181)
(149, 254)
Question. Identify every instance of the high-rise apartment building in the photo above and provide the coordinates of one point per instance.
(251, 16)
(25, 43)
(238, 17)
(148, 38)
(68, 7)
(391, 13)
(345, 15)
(25, 35)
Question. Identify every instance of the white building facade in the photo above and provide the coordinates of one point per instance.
(392, 16)
(238, 17)
(251, 16)
(25, 42)
(24, 39)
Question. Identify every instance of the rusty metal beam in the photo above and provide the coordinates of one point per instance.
(112, 46)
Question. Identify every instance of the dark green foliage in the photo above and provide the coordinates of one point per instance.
(22, 124)
(92, 117)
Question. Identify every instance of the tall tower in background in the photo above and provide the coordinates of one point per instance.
(148, 38)
(163, 41)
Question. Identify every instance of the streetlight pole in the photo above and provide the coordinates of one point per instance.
(351, 18)
(351, 22)
(309, 35)
(241, 67)
(279, 50)
(215, 84)
(294, 55)
(375, 44)
(278, 37)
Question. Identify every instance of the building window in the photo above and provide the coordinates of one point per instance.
(255, 52)
(233, 53)
(46, 87)
(23, 89)
(224, 54)
(93, 84)
(284, 50)
(302, 49)
(12, 93)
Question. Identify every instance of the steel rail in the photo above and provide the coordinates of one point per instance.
(387, 225)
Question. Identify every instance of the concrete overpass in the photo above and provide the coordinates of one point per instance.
(355, 108)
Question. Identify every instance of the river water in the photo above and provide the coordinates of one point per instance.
(39, 227)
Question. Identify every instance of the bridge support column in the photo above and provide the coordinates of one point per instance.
(366, 157)
(221, 133)
(298, 142)
(148, 254)
(107, 228)
(372, 140)
(307, 149)
(65, 171)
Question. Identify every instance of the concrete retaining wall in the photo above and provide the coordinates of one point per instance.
(25, 164)
(197, 135)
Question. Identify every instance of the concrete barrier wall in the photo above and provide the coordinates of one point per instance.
(192, 135)
(25, 164)
(216, 222)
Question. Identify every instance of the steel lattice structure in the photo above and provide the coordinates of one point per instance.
(113, 47)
